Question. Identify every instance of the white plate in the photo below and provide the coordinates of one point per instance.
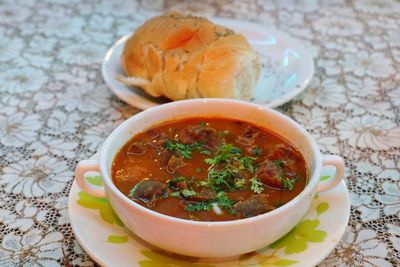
(98, 231)
(287, 67)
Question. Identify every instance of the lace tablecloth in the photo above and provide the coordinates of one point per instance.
(56, 110)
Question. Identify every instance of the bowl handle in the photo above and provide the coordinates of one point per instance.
(338, 163)
(86, 166)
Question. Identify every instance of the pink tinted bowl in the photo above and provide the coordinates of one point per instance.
(210, 239)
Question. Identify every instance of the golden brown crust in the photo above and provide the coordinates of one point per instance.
(189, 57)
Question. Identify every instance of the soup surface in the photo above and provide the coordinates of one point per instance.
(209, 169)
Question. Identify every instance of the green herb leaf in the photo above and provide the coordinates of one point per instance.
(280, 163)
(220, 179)
(187, 150)
(233, 211)
(175, 194)
(288, 184)
(235, 150)
(209, 161)
(184, 150)
(203, 183)
(188, 192)
(256, 151)
(199, 169)
(256, 185)
(225, 152)
(132, 192)
(175, 181)
(247, 163)
(200, 206)
(228, 157)
(223, 201)
(205, 152)
(240, 182)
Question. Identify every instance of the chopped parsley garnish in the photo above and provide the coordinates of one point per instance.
(256, 185)
(199, 206)
(256, 151)
(279, 163)
(180, 184)
(226, 167)
(203, 183)
(188, 192)
(246, 163)
(175, 194)
(288, 184)
(177, 180)
(205, 152)
(226, 173)
(222, 200)
(225, 153)
(173, 183)
(199, 169)
(220, 178)
(240, 182)
(186, 150)
(132, 192)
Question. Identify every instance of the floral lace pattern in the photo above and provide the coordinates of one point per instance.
(55, 110)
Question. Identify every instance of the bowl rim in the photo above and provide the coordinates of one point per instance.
(109, 185)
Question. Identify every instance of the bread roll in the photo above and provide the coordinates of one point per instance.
(183, 56)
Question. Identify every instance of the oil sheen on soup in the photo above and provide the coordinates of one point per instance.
(209, 169)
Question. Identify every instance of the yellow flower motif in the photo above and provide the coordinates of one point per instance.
(100, 204)
(296, 240)
(156, 259)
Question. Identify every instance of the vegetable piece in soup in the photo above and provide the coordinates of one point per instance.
(209, 169)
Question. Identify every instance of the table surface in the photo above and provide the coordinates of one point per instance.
(56, 110)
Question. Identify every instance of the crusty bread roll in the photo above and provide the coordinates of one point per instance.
(183, 56)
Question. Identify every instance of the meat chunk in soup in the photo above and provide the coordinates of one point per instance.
(159, 141)
(170, 162)
(199, 133)
(248, 136)
(136, 149)
(148, 191)
(253, 206)
(270, 174)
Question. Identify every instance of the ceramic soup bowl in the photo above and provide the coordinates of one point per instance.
(210, 239)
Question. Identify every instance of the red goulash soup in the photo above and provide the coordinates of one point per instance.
(209, 169)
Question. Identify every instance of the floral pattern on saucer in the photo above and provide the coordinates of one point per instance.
(296, 248)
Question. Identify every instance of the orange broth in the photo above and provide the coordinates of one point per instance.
(249, 171)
